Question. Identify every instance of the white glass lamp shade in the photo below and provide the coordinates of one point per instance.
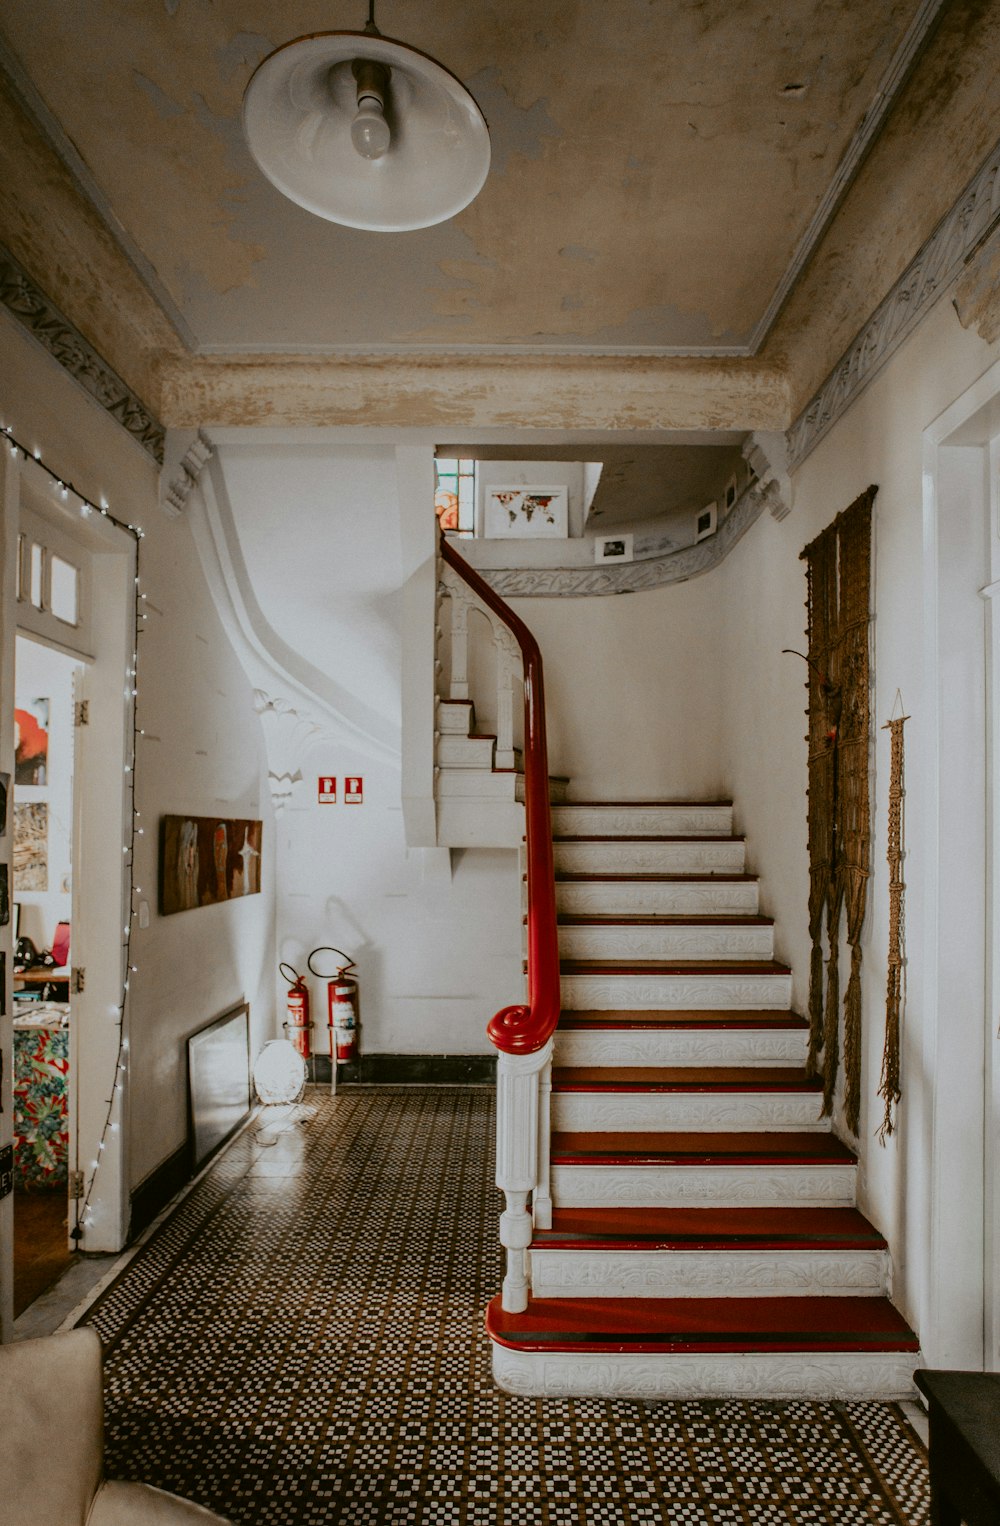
(279, 1074)
(303, 101)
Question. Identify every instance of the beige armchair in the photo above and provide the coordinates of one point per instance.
(52, 1460)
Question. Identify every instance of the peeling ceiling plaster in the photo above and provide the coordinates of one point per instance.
(654, 165)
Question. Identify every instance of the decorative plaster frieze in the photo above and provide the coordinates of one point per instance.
(177, 481)
(654, 572)
(28, 305)
(938, 264)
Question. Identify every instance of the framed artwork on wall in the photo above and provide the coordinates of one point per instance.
(207, 859)
(613, 548)
(31, 755)
(525, 513)
(31, 845)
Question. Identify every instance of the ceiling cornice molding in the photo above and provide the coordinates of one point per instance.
(473, 392)
(29, 306)
(901, 65)
(637, 577)
(936, 267)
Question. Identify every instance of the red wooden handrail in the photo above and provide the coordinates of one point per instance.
(524, 1029)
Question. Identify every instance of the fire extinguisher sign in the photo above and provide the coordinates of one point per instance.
(354, 791)
(327, 791)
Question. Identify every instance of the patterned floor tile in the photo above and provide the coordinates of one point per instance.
(302, 1343)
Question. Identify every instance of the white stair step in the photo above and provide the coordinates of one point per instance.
(698, 987)
(692, 1044)
(454, 717)
(880, 1375)
(687, 1186)
(680, 939)
(641, 819)
(710, 1111)
(677, 896)
(455, 751)
(710, 1253)
(664, 855)
(476, 784)
(725, 1273)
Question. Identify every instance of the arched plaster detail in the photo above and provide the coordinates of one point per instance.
(298, 703)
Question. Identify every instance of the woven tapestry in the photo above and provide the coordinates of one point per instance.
(838, 564)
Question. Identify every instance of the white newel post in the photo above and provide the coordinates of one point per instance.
(518, 1140)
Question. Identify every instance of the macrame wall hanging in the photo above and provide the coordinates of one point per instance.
(895, 998)
(838, 566)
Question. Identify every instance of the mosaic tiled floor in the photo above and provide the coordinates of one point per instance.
(302, 1343)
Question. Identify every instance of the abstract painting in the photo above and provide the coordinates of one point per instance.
(205, 860)
(31, 741)
(31, 846)
(526, 512)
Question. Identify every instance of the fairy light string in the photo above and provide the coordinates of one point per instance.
(111, 1124)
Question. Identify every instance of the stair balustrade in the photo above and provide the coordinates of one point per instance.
(522, 1034)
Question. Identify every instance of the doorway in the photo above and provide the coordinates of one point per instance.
(43, 829)
(69, 589)
(962, 932)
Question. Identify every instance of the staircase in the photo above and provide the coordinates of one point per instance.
(704, 1239)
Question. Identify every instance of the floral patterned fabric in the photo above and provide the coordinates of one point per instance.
(41, 1132)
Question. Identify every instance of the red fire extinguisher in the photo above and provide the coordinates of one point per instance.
(342, 1005)
(297, 1022)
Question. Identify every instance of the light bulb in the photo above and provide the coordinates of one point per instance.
(370, 130)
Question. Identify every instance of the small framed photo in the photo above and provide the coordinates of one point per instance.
(525, 513)
(4, 790)
(613, 548)
(706, 522)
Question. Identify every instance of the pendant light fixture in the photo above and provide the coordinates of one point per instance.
(366, 131)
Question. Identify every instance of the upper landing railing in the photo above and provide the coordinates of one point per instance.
(523, 1034)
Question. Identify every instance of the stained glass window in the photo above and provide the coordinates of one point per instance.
(455, 497)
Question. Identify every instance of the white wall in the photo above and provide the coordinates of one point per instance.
(202, 754)
(47, 674)
(632, 691)
(761, 591)
(437, 941)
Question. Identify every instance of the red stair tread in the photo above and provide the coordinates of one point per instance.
(686, 1078)
(709, 1229)
(673, 967)
(702, 1324)
(693, 1147)
(613, 919)
(596, 1019)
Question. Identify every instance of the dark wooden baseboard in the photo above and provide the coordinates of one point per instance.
(154, 1193)
(411, 1069)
